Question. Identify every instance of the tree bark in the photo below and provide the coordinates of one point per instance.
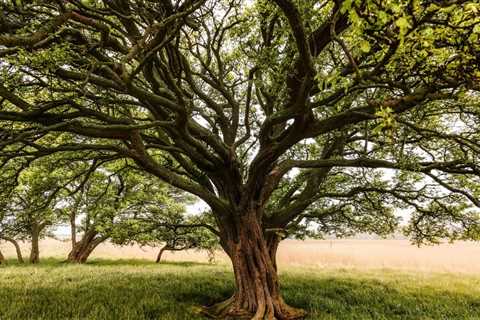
(35, 250)
(160, 253)
(73, 229)
(84, 248)
(257, 295)
(17, 248)
(2, 258)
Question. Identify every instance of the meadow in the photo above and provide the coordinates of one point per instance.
(331, 280)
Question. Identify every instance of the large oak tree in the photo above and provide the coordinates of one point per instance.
(275, 113)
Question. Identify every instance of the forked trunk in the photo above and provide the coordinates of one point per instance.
(17, 248)
(160, 253)
(257, 294)
(82, 251)
(84, 248)
(35, 250)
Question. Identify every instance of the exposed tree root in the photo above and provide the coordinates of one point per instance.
(230, 309)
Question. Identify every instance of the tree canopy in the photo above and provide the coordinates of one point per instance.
(278, 114)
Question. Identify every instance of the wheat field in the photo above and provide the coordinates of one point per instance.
(463, 257)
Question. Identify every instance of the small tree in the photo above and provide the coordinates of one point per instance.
(33, 203)
(31, 206)
(111, 195)
(171, 229)
(9, 231)
(96, 203)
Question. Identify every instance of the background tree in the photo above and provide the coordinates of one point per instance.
(96, 204)
(9, 232)
(275, 113)
(33, 203)
(110, 196)
(30, 202)
(171, 229)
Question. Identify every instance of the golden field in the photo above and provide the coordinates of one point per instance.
(463, 257)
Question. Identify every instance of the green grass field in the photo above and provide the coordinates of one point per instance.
(136, 289)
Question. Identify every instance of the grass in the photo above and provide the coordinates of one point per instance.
(138, 289)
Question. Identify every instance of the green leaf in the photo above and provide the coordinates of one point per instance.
(403, 24)
(365, 46)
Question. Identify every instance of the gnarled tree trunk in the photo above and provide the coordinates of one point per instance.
(83, 248)
(17, 248)
(160, 253)
(257, 294)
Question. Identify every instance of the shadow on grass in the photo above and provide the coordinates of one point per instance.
(45, 263)
(350, 298)
(52, 262)
(141, 262)
(144, 290)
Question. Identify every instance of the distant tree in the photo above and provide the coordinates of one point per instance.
(9, 232)
(96, 203)
(30, 205)
(170, 228)
(277, 113)
(33, 204)
(111, 195)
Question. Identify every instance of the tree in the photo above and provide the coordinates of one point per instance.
(109, 201)
(155, 215)
(9, 230)
(33, 191)
(169, 228)
(33, 204)
(275, 113)
(96, 202)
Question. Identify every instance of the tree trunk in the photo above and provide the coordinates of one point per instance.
(82, 249)
(2, 258)
(81, 246)
(73, 229)
(35, 250)
(257, 295)
(86, 253)
(160, 253)
(17, 248)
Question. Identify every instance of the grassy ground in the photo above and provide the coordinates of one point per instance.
(136, 289)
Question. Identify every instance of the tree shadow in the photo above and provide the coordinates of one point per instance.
(44, 263)
(98, 293)
(144, 290)
(360, 298)
(52, 262)
(143, 262)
